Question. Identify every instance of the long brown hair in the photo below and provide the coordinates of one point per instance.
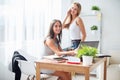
(51, 33)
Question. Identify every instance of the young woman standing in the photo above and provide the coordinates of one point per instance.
(75, 25)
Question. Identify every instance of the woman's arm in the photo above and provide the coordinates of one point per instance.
(51, 45)
(66, 20)
(82, 28)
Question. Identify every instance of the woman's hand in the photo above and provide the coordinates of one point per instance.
(69, 12)
(73, 53)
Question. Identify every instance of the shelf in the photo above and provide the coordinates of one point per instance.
(90, 14)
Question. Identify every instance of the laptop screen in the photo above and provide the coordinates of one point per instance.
(90, 43)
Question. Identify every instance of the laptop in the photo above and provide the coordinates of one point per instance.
(90, 43)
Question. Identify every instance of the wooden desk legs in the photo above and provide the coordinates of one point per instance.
(37, 72)
(87, 74)
(105, 69)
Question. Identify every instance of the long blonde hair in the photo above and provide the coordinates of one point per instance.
(79, 7)
(78, 10)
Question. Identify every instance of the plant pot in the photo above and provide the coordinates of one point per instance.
(94, 31)
(87, 60)
(94, 12)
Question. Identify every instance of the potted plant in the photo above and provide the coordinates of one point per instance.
(94, 28)
(95, 9)
(87, 53)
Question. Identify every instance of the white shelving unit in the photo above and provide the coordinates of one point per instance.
(89, 20)
(93, 19)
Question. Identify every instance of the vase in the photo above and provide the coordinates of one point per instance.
(87, 60)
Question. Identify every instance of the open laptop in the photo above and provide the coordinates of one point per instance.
(90, 43)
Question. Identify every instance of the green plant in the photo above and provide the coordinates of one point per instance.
(95, 8)
(94, 27)
(87, 51)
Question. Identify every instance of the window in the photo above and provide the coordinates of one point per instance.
(26, 22)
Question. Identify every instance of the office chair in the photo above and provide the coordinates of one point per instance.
(28, 67)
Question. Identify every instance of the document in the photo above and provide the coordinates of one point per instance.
(72, 60)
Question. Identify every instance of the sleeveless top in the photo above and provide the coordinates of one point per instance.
(74, 30)
(47, 51)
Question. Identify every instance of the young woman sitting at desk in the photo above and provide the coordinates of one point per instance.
(52, 46)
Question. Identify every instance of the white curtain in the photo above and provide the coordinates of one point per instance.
(26, 23)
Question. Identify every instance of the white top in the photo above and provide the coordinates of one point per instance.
(74, 31)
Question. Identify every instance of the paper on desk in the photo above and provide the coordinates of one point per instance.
(51, 57)
(72, 59)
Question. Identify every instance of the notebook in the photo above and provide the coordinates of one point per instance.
(90, 43)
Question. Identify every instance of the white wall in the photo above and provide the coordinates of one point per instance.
(111, 25)
(110, 21)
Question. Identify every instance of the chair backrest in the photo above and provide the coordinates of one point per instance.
(10, 66)
(27, 67)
